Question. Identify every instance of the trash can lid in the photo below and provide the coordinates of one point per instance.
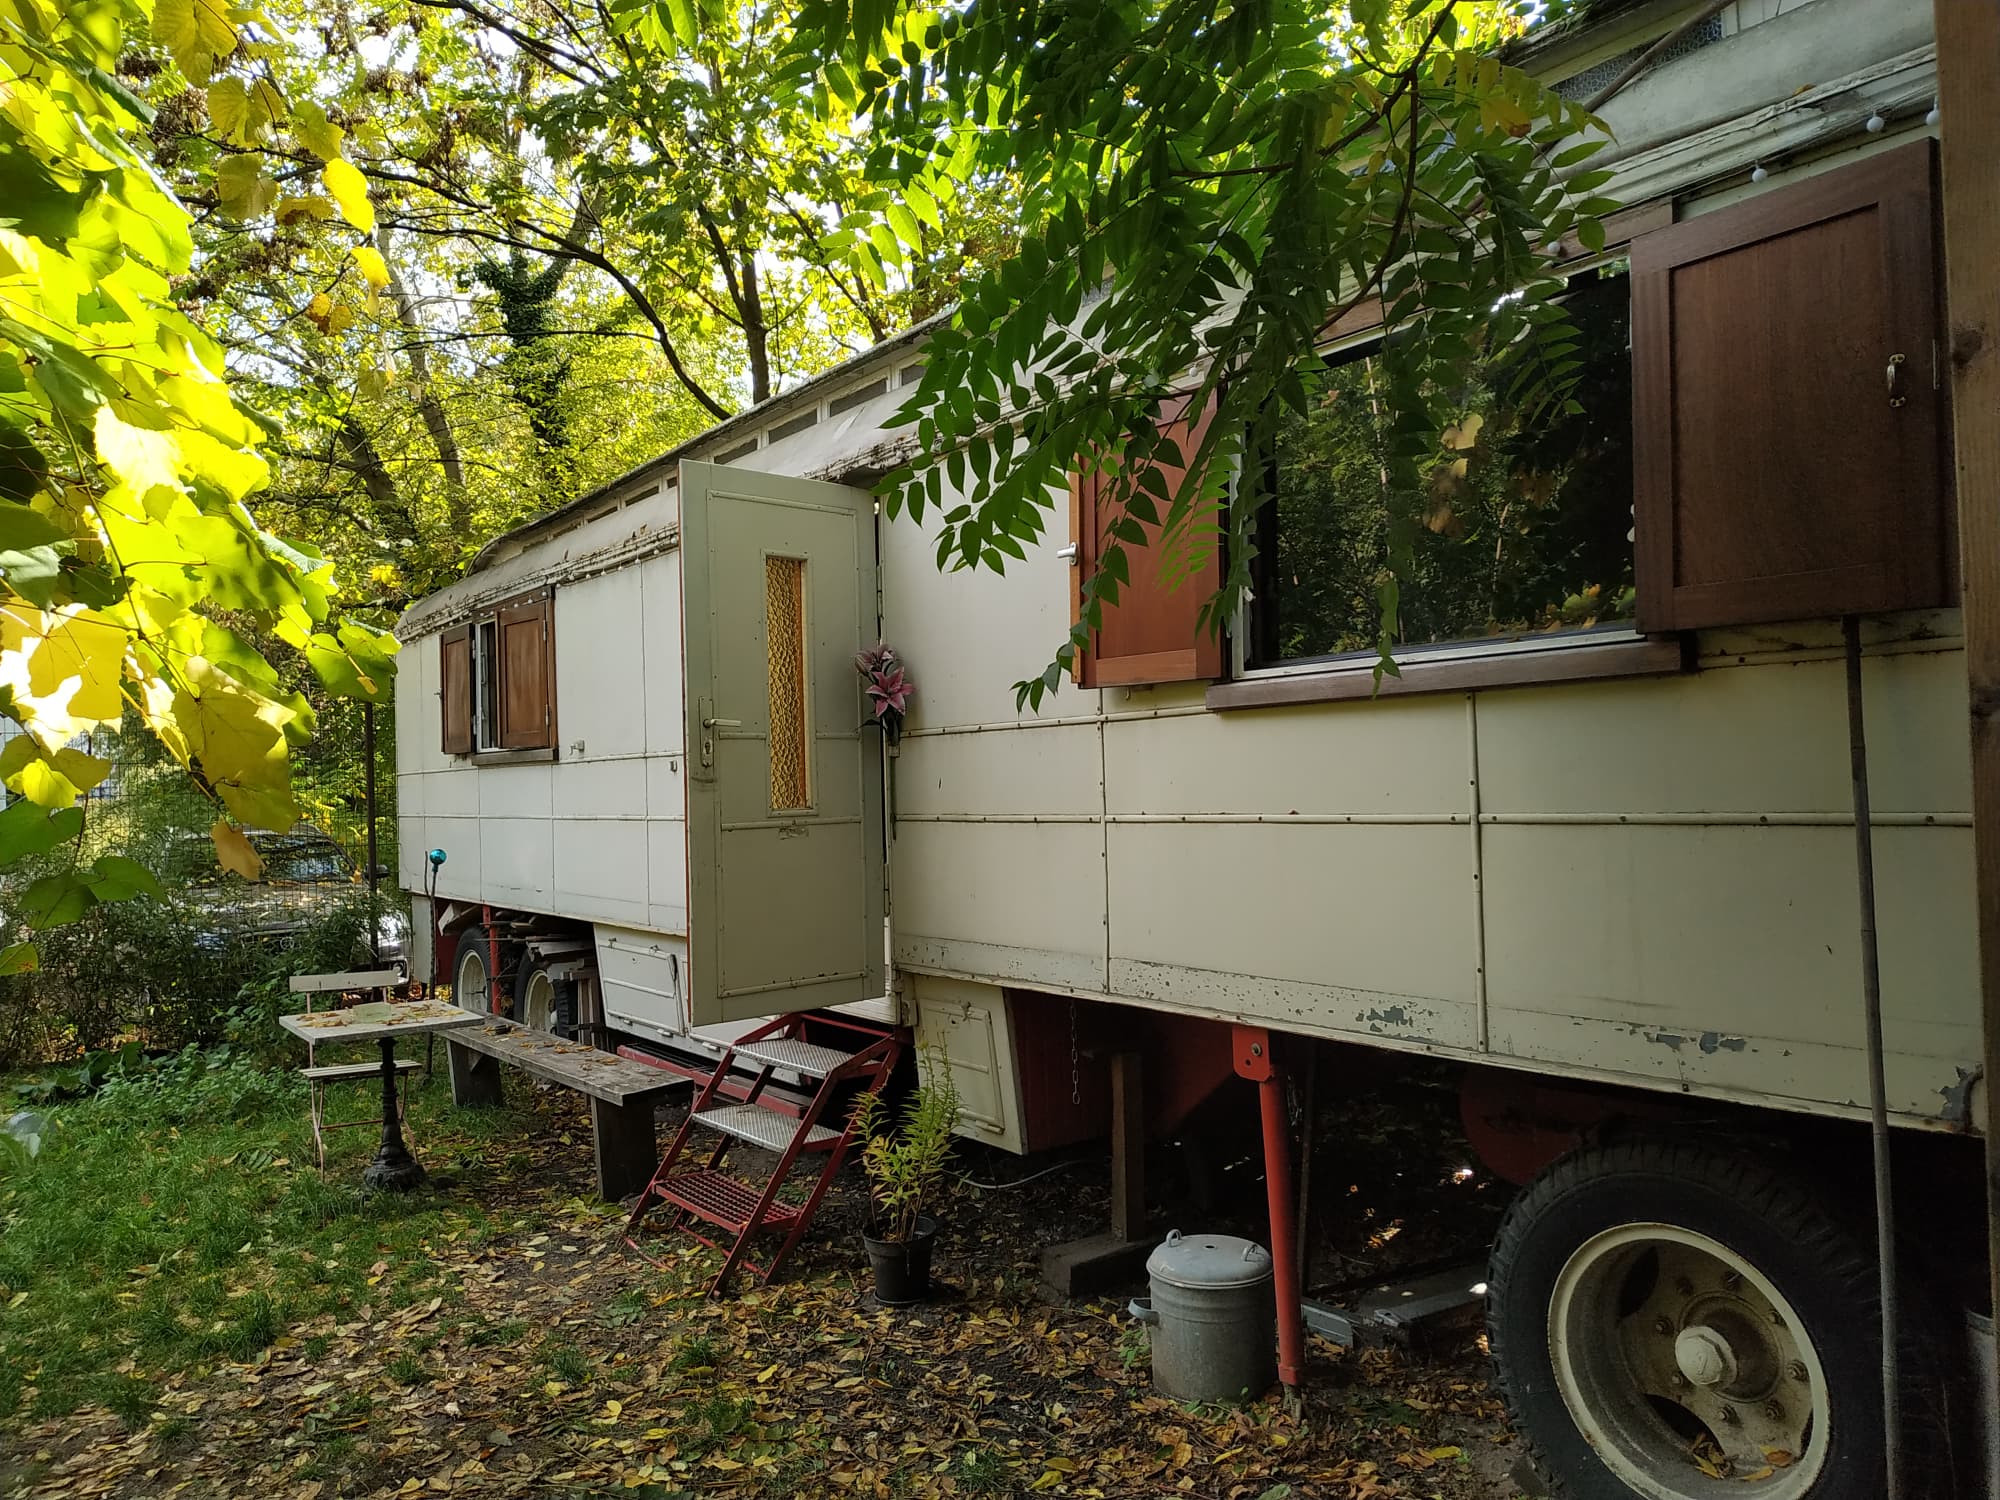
(1208, 1260)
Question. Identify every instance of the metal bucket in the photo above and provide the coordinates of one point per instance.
(1212, 1318)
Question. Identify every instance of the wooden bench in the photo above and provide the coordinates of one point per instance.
(622, 1093)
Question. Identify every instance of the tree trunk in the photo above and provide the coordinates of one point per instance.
(756, 337)
(458, 505)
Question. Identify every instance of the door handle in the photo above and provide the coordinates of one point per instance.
(709, 724)
(1894, 375)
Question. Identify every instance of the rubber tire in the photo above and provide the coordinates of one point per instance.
(472, 944)
(1778, 1224)
(525, 973)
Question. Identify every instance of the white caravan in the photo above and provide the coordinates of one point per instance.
(1597, 846)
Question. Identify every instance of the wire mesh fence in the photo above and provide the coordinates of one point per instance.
(170, 971)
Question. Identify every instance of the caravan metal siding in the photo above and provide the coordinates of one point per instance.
(1648, 881)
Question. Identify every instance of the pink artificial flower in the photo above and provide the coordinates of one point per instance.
(891, 691)
(877, 659)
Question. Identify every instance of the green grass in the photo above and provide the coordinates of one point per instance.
(565, 1362)
(983, 1471)
(183, 1225)
(696, 1352)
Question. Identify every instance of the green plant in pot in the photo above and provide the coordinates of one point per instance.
(906, 1159)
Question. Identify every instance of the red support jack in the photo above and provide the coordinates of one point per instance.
(1252, 1046)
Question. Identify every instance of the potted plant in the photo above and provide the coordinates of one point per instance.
(906, 1160)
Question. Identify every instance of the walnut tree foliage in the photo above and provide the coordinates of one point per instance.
(133, 574)
(1211, 185)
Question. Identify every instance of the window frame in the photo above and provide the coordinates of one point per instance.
(486, 682)
(1617, 649)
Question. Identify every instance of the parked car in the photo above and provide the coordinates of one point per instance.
(306, 874)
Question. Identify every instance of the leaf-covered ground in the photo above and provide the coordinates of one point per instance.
(493, 1337)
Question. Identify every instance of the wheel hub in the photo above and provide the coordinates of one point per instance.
(1705, 1357)
(1671, 1352)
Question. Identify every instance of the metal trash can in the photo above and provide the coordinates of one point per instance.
(1212, 1317)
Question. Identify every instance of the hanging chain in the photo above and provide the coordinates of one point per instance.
(1075, 1068)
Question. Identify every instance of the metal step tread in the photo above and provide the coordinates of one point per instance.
(723, 1201)
(761, 1127)
(799, 1057)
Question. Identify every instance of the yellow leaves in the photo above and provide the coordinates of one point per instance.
(1464, 434)
(197, 32)
(316, 133)
(241, 112)
(141, 457)
(236, 740)
(294, 210)
(328, 316)
(245, 192)
(1498, 112)
(234, 851)
(75, 665)
(350, 190)
(373, 267)
(50, 780)
(229, 108)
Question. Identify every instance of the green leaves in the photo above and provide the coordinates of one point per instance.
(61, 898)
(1203, 193)
(124, 459)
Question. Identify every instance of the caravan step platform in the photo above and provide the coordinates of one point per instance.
(719, 1199)
(794, 1056)
(762, 1127)
(773, 1097)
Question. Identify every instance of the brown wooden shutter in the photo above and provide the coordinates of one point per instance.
(1152, 633)
(526, 651)
(1786, 417)
(455, 689)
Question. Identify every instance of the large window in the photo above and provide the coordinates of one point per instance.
(1518, 530)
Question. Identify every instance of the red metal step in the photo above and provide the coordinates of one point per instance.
(721, 1200)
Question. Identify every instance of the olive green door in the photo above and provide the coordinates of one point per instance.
(784, 801)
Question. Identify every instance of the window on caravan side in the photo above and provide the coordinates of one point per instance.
(1527, 532)
(496, 679)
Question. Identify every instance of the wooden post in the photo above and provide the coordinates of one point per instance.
(1968, 63)
(1128, 1147)
(626, 1148)
(475, 1079)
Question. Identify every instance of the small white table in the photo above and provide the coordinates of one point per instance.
(393, 1167)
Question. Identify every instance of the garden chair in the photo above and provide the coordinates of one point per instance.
(378, 984)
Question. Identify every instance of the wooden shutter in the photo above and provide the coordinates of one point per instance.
(1151, 634)
(526, 691)
(1786, 415)
(455, 689)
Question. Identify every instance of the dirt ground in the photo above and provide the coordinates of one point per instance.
(550, 1360)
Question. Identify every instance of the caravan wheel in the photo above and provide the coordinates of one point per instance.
(471, 984)
(1675, 1322)
(535, 996)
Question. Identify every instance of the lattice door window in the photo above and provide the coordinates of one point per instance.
(785, 646)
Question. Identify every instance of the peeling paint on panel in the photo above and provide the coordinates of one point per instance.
(1712, 1040)
(1394, 1015)
(1669, 1039)
(1957, 1096)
